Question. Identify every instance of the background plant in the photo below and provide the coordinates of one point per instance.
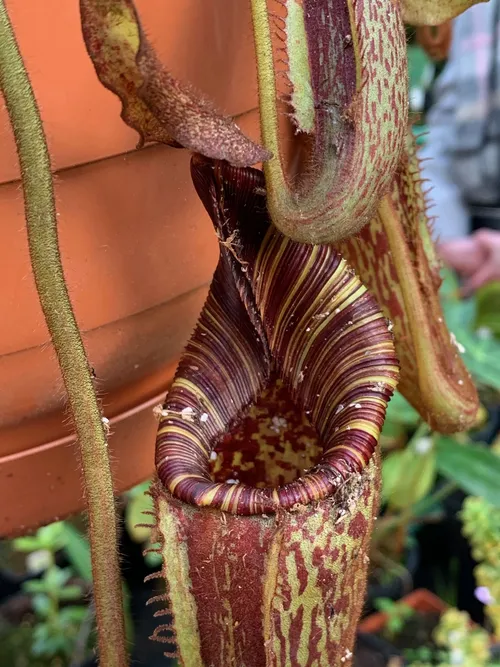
(60, 625)
(460, 643)
(397, 613)
(420, 467)
(481, 525)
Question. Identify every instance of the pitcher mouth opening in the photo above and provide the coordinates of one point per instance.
(281, 392)
(272, 457)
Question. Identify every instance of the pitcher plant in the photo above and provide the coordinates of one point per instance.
(324, 297)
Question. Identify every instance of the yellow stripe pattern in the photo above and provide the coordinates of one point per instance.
(283, 308)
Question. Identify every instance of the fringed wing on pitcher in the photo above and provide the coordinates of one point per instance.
(396, 259)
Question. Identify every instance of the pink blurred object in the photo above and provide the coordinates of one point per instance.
(476, 258)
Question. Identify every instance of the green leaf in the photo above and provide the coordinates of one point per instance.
(392, 434)
(408, 475)
(418, 64)
(42, 605)
(385, 605)
(72, 592)
(475, 468)
(392, 472)
(51, 642)
(77, 549)
(27, 544)
(137, 504)
(56, 577)
(35, 586)
(48, 538)
(488, 308)
(153, 560)
(75, 614)
(450, 286)
(41, 636)
(51, 536)
(399, 411)
(139, 490)
(481, 354)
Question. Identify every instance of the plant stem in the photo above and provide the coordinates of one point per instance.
(47, 268)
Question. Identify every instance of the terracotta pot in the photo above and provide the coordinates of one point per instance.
(421, 600)
(137, 247)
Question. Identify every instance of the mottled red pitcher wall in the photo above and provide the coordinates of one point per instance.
(267, 591)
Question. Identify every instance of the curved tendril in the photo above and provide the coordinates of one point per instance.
(348, 75)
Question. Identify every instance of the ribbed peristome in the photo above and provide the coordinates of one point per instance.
(277, 311)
